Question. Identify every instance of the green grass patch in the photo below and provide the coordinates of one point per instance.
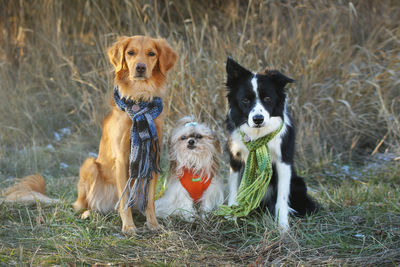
(359, 224)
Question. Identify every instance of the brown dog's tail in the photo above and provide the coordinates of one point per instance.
(29, 190)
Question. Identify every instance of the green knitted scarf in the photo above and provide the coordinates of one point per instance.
(256, 177)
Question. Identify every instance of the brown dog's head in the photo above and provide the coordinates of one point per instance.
(141, 60)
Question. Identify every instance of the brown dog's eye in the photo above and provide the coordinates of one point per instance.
(183, 137)
(131, 53)
(267, 99)
(151, 54)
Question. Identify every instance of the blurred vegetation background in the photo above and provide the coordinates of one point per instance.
(56, 85)
(56, 81)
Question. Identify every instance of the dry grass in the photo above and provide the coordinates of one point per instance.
(344, 55)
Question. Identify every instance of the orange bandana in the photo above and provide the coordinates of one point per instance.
(194, 184)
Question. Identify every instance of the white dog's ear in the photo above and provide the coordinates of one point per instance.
(169, 143)
(217, 155)
(172, 166)
(172, 161)
(216, 142)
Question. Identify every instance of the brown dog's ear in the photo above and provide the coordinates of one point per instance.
(167, 56)
(116, 53)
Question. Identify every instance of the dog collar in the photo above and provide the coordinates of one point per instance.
(194, 184)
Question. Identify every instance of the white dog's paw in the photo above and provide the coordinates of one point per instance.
(188, 217)
(232, 202)
(284, 227)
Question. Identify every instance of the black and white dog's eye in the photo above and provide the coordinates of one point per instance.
(198, 136)
(245, 100)
(183, 137)
(267, 99)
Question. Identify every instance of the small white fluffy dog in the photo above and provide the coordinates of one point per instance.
(193, 184)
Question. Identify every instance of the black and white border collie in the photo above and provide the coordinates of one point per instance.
(257, 106)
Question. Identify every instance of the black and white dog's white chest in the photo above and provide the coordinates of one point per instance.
(257, 107)
(239, 151)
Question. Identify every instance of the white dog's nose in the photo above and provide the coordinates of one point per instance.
(191, 142)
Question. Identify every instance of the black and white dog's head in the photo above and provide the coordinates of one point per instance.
(256, 101)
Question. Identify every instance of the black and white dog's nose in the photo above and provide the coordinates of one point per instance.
(191, 142)
(258, 119)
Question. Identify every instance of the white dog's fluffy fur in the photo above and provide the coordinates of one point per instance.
(200, 155)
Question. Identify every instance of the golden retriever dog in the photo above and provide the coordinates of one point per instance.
(141, 64)
(29, 189)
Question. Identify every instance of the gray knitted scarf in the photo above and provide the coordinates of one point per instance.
(144, 158)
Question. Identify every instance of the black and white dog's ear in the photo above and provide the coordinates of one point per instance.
(278, 78)
(234, 70)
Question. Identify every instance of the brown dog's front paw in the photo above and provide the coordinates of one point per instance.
(85, 215)
(78, 206)
(129, 230)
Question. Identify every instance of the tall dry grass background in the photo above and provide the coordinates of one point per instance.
(345, 57)
(55, 89)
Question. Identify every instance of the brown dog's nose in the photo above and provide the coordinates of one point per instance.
(141, 68)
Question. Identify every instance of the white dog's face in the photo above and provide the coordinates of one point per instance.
(194, 146)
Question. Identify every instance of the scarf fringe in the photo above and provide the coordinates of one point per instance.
(146, 161)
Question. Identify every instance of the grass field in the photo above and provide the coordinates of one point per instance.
(55, 86)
